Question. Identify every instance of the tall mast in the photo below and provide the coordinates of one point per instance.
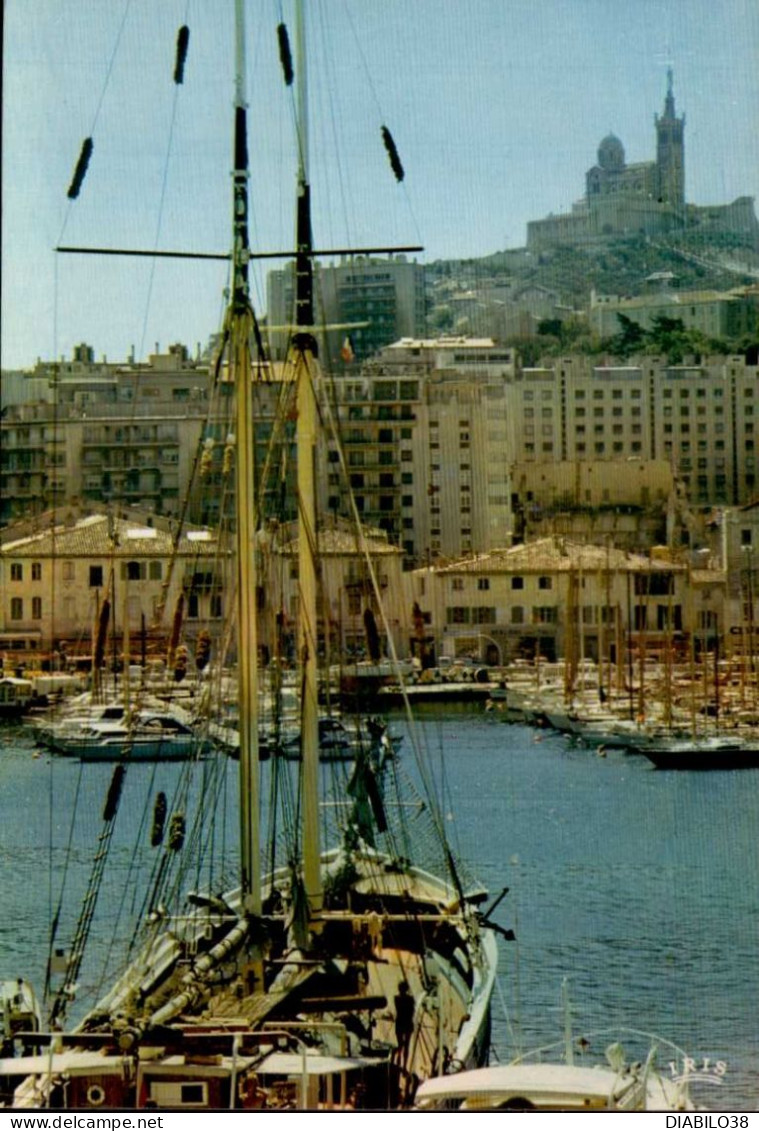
(240, 327)
(305, 352)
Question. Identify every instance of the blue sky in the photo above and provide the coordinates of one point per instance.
(496, 106)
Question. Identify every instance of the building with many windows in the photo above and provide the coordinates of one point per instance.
(424, 435)
(89, 431)
(56, 572)
(702, 418)
(368, 300)
(555, 599)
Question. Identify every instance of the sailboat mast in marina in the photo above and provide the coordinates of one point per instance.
(354, 971)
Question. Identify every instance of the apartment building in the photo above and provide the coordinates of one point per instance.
(703, 418)
(56, 572)
(424, 434)
(369, 300)
(90, 431)
(555, 598)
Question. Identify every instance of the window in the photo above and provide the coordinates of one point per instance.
(36, 608)
(658, 584)
(457, 614)
(457, 583)
(173, 1093)
(17, 571)
(96, 577)
(545, 614)
(517, 614)
(483, 582)
(17, 608)
(517, 583)
(545, 583)
(36, 571)
(155, 570)
(483, 615)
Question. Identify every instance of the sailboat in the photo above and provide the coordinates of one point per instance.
(329, 978)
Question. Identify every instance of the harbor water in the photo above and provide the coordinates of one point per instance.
(638, 886)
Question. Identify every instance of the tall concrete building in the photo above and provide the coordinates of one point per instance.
(88, 430)
(702, 418)
(424, 430)
(373, 302)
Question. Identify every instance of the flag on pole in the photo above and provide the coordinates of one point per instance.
(346, 351)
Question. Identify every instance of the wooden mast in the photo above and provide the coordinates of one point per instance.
(240, 328)
(305, 350)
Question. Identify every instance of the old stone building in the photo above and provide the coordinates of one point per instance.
(644, 198)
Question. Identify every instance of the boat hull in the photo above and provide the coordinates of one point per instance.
(706, 757)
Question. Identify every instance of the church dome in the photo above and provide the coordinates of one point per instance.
(611, 153)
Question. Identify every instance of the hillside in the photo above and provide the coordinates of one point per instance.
(617, 267)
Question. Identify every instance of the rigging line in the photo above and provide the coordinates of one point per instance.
(422, 759)
(99, 106)
(159, 221)
(156, 889)
(332, 118)
(126, 886)
(54, 920)
(378, 106)
(183, 861)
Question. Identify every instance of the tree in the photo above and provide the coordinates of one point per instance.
(630, 339)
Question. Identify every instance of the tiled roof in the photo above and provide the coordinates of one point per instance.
(91, 537)
(345, 542)
(554, 555)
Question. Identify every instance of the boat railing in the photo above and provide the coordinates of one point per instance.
(653, 1039)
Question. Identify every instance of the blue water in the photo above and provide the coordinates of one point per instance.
(639, 886)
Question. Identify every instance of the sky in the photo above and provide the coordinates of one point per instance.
(497, 108)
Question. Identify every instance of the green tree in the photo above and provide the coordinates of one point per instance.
(630, 339)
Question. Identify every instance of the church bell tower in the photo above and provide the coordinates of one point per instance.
(670, 152)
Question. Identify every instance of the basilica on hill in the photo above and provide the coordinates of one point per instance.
(643, 199)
